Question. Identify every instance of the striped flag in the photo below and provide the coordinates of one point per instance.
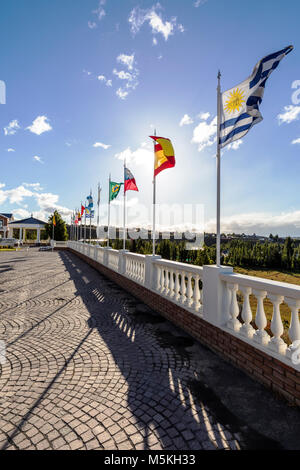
(240, 105)
(164, 154)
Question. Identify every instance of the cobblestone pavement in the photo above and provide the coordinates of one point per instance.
(90, 367)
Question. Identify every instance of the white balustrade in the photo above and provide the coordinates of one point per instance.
(113, 260)
(225, 300)
(135, 267)
(180, 283)
(276, 292)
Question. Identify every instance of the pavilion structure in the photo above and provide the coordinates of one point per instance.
(26, 224)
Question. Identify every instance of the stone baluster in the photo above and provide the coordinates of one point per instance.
(294, 329)
(183, 289)
(260, 335)
(197, 294)
(177, 286)
(247, 329)
(166, 290)
(277, 344)
(234, 323)
(172, 293)
(158, 278)
(162, 284)
(189, 290)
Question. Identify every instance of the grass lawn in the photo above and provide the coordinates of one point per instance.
(9, 249)
(281, 276)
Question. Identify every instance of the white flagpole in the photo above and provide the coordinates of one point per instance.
(124, 213)
(108, 222)
(154, 203)
(218, 240)
(91, 221)
(98, 204)
(80, 221)
(85, 221)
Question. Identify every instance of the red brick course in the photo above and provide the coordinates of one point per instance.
(269, 371)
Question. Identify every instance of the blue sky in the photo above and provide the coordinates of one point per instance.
(88, 80)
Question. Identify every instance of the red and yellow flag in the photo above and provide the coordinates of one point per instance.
(54, 221)
(164, 154)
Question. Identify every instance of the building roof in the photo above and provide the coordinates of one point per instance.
(29, 221)
(8, 216)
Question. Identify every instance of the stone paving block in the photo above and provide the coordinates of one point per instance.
(73, 364)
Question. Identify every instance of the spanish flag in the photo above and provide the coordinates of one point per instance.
(54, 221)
(164, 154)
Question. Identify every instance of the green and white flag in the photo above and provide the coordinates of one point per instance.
(114, 189)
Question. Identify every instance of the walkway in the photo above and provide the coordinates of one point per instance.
(90, 367)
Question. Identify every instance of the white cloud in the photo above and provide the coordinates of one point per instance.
(122, 94)
(10, 150)
(99, 144)
(186, 120)
(139, 16)
(235, 145)
(100, 12)
(37, 159)
(296, 141)
(122, 75)
(34, 186)
(199, 2)
(140, 156)
(181, 28)
(127, 60)
(204, 134)
(103, 79)
(291, 113)
(92, 24)
(12, 127)
(286, 223)
(46, 202)
(130, 76)
(204, 116)
(154, 42)
(40, 125)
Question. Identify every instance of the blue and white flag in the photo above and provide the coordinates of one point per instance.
(90, 201)
(240, 105)
(90, 214)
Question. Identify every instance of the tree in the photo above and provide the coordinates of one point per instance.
(60, 229)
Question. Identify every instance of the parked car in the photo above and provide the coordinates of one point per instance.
(11, 242)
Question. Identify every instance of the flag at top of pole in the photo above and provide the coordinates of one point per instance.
(129, 181)
(240, 105)
(237, 112)
(164, 154)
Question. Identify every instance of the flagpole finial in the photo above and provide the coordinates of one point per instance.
(219, 74)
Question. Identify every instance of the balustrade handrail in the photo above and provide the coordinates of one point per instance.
(273, 287)
(178, 265)
(137, 256)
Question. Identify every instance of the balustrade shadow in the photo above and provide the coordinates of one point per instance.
(165, 393)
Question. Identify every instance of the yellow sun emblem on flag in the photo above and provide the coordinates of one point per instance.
(235, 101)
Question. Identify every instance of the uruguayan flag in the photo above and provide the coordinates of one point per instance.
(240, 105)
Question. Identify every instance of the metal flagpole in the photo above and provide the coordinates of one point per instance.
(98, 204)
(108, 221)
(218, 241)
(90, 221)
(80, 220)
(154, 202)
(124, 213)
(85, 221)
